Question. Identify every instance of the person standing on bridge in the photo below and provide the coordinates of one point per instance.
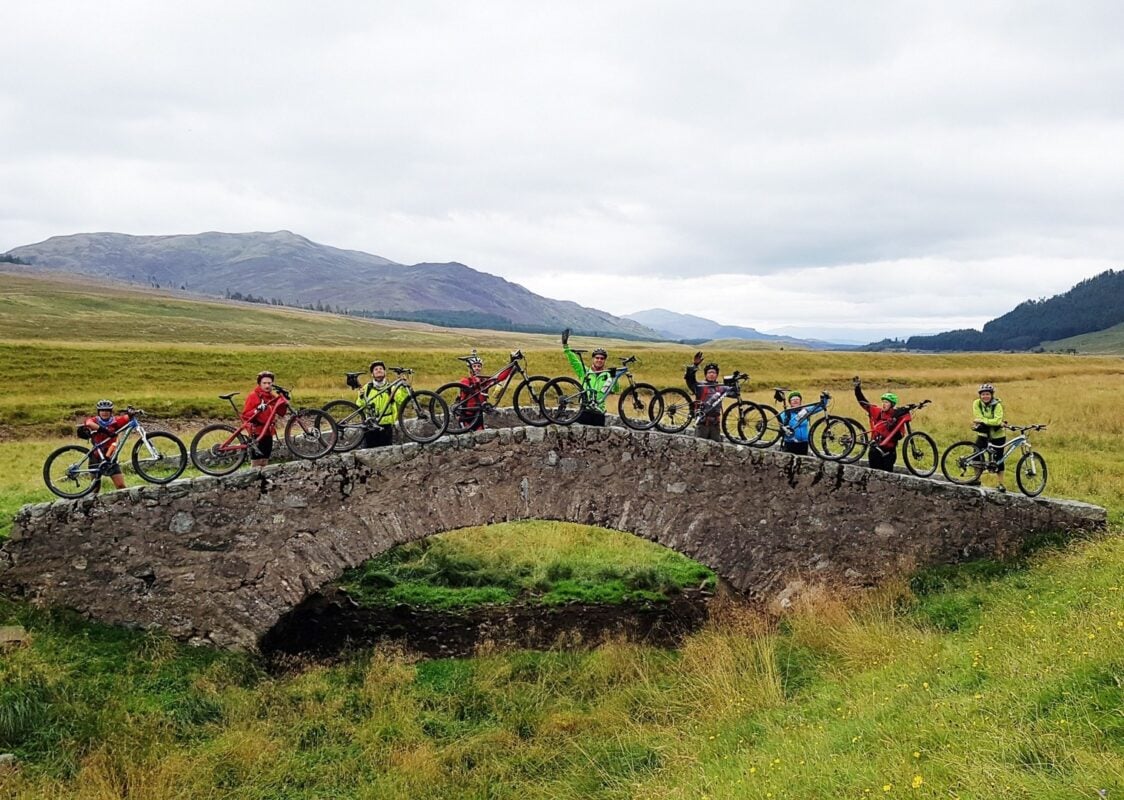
(883, 450)
(987, 422)
(473, 398)
(594, 379)
(256, 411)
(375, 396)
(104, 427)
(794, 423)
(708, 396)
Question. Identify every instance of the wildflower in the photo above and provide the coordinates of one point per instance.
(917, 781)
(887, 787)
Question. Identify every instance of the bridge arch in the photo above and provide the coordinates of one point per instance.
(220, 560)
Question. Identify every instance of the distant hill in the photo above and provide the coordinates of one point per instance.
(1108, 341)
(1094, 304)
(688, 327)
(286, 268)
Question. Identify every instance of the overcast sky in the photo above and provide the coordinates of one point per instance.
(809, 167)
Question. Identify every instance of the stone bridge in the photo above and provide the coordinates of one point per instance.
(221, 560)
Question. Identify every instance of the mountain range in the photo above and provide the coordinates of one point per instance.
(688, 327)
(284, 268)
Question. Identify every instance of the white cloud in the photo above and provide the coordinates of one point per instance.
(721, 154)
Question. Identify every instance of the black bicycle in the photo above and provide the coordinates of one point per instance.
(421, 415)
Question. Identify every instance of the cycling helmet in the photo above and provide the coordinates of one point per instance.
(985, 387)
(376, 364)
(474, 361)
(893, 398)
(709, 367)
(600, 351)
(794, 394)
(104, 405)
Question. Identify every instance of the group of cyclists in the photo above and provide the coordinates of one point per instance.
(266, 403)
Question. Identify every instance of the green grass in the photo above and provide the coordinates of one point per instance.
(542, 562)
(1022, 697)
(1108, 341)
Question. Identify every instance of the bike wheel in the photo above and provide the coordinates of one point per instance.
(770, 432)
(69, 473)
(743, 422)
(423, 417)
(678, 409)
(162, 459)
(350, 425)
(962, 463)
(219, 449)
(920, 452)
(1030, 474)
(562, 401)
(860, 443)
(831, 438)
(527, 401)
(640, 406)
(462, 418)
(310, 433)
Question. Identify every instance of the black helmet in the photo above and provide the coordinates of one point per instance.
(600, 351)
(375, 364)
(104, 405)
(709, 367)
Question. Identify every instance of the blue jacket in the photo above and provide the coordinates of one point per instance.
(797, 419)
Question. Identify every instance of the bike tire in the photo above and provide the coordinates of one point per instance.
(831, 438)
(527, 401)
(68, 472)
(1031, 474)
(310, 433)
(920, 454)
(350, 424)
(743, 422)
(423, 417)
(770, 432)
(640, 406)
(678, 411)
(461, 418)
(562, 401)
(165, 462)
(213, 452)
(962, 463)
(860, 443)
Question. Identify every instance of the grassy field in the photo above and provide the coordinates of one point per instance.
(987, 681)
(1110, 340)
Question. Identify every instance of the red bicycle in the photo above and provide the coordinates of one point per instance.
(467, 406)
(220, 449)
(846, 440)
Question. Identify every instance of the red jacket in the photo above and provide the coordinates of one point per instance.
(257, 416)
(105, 430)
(882, 422)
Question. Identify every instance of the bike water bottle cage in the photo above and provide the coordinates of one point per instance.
(104, 405)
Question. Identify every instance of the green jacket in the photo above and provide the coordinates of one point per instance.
(378, 401)
(593, 382)
(990, 415)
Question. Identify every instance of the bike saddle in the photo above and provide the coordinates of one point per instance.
(227, 396)
(572, 350)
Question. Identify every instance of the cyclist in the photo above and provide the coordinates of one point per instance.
(710, 392)
(256, 411)
(593, 380)
(375, 395)
(104, 427)
(987, 422)
(473, 398)
(794, 423)
(883, 451)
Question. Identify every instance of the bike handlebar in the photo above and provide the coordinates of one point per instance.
(626, 361)
(1024, 428)
(402, 370)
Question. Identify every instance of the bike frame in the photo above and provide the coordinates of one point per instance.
(1019, 441)
(593, 399)
(819, 407)
(515, 367)
(121, 437)
(236, 441)
(401, 382)
(715, 402)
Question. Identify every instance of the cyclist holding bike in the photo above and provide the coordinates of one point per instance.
(794, 423)
(256, 411)
(375, 395)
(593, 380)
(473, 398)
(884, 444)
(104, 427)
(987, 422)
(707, 395)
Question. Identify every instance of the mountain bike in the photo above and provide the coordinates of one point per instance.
(680, 409)
(964, 463)
(422, 416)
(220, 449)
(467, 406)
(772, 428)
(564, 399)
(74, 471)
(919, 450)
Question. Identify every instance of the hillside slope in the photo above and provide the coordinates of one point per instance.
(296, 271)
